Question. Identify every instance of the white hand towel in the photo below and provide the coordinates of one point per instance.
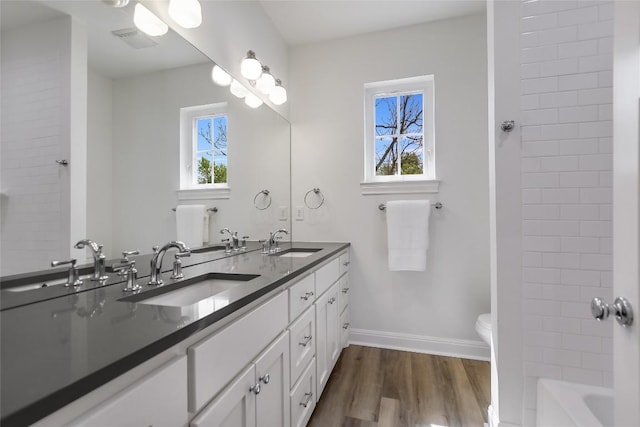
(408, 234)
(190, 224)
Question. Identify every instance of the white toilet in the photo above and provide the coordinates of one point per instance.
(483, 327)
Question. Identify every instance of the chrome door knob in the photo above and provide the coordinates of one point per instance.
(621, 308)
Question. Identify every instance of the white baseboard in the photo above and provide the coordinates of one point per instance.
(494, 421)
(466, 349)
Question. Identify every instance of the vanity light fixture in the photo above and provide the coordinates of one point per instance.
(116, 3)
(220, 76)
(147, 22)
(250, 67)
(279, 94)
(266, 83)
(187, 13)
(252, 101)
(238, 90)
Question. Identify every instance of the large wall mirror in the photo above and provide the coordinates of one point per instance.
(109, 106)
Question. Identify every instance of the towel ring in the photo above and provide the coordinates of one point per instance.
(315, 191)
(209, 210)
(266, 194)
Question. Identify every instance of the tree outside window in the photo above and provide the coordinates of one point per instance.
(211, 150)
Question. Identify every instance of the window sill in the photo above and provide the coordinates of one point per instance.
(400, 187)
(204, 193)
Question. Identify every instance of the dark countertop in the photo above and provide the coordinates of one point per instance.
(56, 349)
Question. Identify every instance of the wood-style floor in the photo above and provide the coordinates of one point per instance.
(374, 387)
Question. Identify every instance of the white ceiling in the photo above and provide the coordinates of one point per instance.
(308, 21)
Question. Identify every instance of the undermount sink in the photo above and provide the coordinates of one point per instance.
(297, 252)
(207, 249)
(191, 291)
(44, 283)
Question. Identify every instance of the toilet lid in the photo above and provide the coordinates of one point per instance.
(484, 321)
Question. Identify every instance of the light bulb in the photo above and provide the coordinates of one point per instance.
(220, 77)
(266, 82)
(147, 22)
(279, 94)
(252, 101)
(238, 90)
(187, 13)
(250, 67)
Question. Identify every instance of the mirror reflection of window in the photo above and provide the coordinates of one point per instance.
(211, 149)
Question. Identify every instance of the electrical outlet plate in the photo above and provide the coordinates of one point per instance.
(299, 213)
(283, 213)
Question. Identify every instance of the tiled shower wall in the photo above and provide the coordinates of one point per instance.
(566, 63)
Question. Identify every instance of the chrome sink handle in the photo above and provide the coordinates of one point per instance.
(234, 238)
(73, 278)
(155, 278)
(127, 267)
(177, 265)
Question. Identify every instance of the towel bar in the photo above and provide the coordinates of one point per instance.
(213, 209)
(436, 205)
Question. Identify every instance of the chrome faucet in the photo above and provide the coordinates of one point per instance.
(234, 238)
(156, 261)
(273, 239)
(98, 258)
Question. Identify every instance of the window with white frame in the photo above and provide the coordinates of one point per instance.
(204, 147)
(399, 130)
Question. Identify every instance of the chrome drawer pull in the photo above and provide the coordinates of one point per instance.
(307, 340)
(332, 300)
(346, 263)
(308, 400)
(306, 295)
(345, 326)
(265, 378)
(345, 290)
(255, 388)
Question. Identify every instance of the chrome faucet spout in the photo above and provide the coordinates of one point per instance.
(98, 258)
(158, 255)
(273, 242)
(234, 238)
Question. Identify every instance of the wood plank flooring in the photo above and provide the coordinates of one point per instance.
(374, 387)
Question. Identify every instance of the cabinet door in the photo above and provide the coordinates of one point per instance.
(159, 399)
(272, 373)
(234, 407)
(327, 347)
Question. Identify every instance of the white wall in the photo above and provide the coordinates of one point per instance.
(36, 129)
(431, 311)
(566, 94)
(99, 161)
(229, 30)
(146, 159)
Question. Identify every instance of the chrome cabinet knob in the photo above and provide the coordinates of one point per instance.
(255, 388)
(621, 308)
(265, 378)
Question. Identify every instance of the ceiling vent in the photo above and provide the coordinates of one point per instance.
(135, 38)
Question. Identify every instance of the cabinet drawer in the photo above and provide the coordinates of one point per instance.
(137, 405)
(343, 294)
(301, 296)
(302, 343)
(302, 399)
(345, 327)
(344, 263)
(214, 361)
(326, 276)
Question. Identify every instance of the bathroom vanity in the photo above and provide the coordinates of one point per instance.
(244, 340)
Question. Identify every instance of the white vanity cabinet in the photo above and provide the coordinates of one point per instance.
(258, 397)
(158, 399)
(343, 297)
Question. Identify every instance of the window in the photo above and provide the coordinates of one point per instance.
(204, 156)
(399, 133)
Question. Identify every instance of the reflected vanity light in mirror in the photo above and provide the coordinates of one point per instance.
(279, 94)
(252, 101)
(238, 90)
(186, 13)
(250, 67)
(147, 22)
(220, 77)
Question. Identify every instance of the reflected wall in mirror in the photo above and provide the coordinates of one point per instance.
(74, 91)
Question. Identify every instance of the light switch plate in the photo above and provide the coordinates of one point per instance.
(283, 213)
(299, 213)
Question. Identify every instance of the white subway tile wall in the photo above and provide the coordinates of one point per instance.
(566, 100)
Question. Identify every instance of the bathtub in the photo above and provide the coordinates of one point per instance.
(562, 403)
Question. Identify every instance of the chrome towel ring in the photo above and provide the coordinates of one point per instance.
(266, 196)
(317, 192)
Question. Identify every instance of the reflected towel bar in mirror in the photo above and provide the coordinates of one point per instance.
(436, 205)
(210, 210)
